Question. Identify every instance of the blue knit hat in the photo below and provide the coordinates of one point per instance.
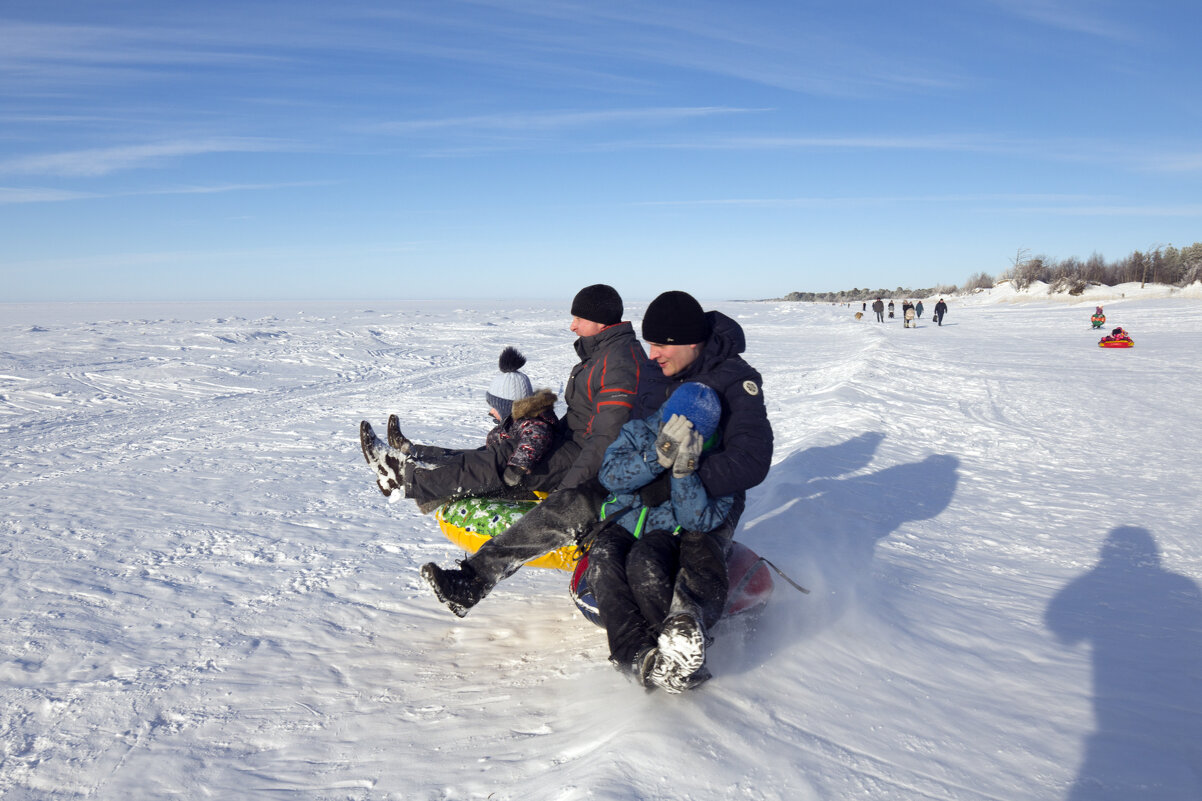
(510, 385)
(699, 404)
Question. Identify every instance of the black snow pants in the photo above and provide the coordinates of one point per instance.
(453, 474)
(557, 521)
(640, 583)
(435, 474)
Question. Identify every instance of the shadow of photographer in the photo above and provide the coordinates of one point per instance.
(1144, 624)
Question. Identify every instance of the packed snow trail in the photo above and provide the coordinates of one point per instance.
(202, 592)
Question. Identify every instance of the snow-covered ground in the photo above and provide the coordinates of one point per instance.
(203, 595)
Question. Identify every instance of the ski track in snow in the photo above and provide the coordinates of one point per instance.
(202, 594)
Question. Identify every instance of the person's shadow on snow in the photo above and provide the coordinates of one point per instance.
(823, 529)
(1144, 624)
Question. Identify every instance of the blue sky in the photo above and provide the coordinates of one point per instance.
(394, 150)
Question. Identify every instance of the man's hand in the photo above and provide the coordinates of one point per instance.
(688, 454)
(671, 433)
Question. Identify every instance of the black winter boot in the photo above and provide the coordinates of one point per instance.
(460, 589)
(639, 668)
(644, 661)
(396, 439)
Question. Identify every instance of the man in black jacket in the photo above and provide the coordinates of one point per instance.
(603, 386)
(600, 393)
(940, 310)
(691, 345)
(686, 344)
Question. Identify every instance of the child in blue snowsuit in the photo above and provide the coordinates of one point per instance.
(633, 559)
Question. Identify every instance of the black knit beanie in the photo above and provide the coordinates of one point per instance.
(675, 318)
(600, 303)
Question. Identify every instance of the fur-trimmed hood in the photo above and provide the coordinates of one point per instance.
(542, 400)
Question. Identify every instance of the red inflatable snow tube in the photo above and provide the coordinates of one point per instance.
(751, 584)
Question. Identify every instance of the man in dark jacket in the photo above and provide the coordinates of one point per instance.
(940, 310)
(687, 344)
(602, 388)
(878, 306)
(600, 394)
(691, 345)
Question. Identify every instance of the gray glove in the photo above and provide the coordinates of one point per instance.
(688, 454)
(671, 433)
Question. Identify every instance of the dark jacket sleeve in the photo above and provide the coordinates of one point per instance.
(745, 454)
(613, 388)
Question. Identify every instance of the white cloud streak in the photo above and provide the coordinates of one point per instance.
(104, 161)
(1068, 15)
(556, 120)
(1047, 204)
(14, 195)
(851, 202)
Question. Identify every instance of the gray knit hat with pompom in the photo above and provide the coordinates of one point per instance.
(510, 385)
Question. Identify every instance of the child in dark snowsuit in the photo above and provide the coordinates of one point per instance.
(524, 434)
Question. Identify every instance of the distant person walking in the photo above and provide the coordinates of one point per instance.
(878, 306)
(940, 310)
(918, 309)
(890, 308)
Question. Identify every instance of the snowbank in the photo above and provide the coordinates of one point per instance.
(1038, 291)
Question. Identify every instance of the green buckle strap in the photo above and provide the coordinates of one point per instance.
(638, 529)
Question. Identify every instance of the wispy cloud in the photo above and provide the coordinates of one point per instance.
(1069, 15)
(1135, 157)
(47, 54)
(12, 195)
(103, 161)
(610, 130)
(480, 135)
(223, 188)
(962, 142)
(991, 200)
(811, 51)
(1117, 210)
(210, 259)
(557, 120)
(1170, 162)
(1062, 205)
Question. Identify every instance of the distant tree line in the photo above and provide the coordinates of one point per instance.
(1168, 265)
(860, 295)
(1162, 265)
